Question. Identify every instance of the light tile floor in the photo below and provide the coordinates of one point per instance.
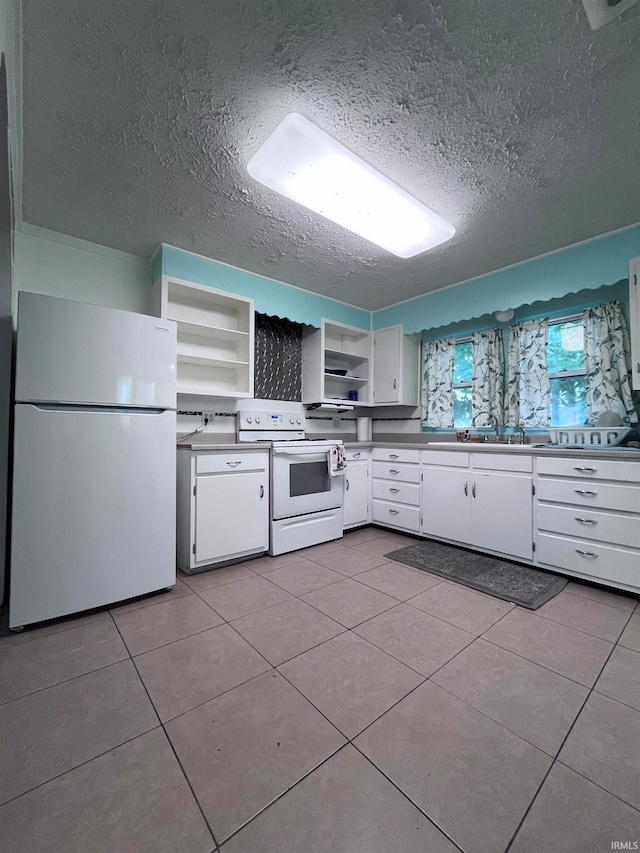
(328, 700)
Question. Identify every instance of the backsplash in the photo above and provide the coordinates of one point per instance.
(278, 359)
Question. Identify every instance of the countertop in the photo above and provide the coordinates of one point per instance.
(224, 442)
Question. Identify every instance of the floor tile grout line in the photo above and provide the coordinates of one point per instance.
(407, 797)
(81, 764)
(597, 637)
(162, 726)
(36, 636)
(613, 698)
(612, 590)
(557, 755)
(597, 785)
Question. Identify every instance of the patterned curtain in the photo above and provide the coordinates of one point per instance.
(487, 381)
(528, 391)
(606, 357)
(437, 383)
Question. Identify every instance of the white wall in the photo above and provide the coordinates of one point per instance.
(58, 265)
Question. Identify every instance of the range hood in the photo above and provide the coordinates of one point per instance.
(330, 407)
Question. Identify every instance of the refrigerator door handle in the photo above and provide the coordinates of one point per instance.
(107, 410)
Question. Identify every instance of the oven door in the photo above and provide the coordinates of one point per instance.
(301, 482)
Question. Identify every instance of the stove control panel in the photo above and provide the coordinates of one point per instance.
(265, 420)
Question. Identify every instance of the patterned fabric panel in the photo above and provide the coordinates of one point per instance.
(278, 359)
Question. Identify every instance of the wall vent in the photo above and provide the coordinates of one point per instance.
(601, 12)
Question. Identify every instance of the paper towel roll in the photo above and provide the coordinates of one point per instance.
(363, 426)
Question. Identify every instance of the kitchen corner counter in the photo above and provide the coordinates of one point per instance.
(488, 447)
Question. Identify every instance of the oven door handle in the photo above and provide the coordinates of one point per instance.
(312, 455)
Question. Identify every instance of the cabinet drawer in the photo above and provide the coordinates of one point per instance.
(590, 524)
(395, 454)
(450, 458)
(396, 471)
(404, 493)
(522, 463)
(593, 469)
(407, 517)
(214, 463)
(354, 454)
(589, 494)
(599, 562)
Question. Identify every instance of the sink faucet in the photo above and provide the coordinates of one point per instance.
(496, 425)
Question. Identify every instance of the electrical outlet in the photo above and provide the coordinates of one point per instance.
(336, 422)
(208, 416)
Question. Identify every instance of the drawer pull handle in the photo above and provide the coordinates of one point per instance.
(394, 456)
(583, 468)
(261, 492)
(584, 492)
(585, 520)
(473, 490)
(356, 455)
(466, 487)
(394, 511)
(393, 490)
(346, 483)
(233, 464)
(585, 553)
(393, 471)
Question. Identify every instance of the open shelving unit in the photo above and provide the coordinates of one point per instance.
(336, 347)
(215, 338)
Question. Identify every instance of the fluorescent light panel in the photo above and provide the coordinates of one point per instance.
(305, 164)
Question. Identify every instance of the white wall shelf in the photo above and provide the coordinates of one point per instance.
(336, 346)
(215, 340)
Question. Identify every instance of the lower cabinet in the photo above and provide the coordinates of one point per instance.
(356, 489)
(473, 504)
(396, 490)
(223, 506)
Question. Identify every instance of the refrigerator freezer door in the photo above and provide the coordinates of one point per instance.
(72, 352)
(93, 518)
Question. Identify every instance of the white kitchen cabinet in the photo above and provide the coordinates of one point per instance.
(215, 338)
(336, 359)
(634, 318)
(396, 493)
(395, 367)
(588, 519)
(356, 488)
(473, 504)
(223, 506)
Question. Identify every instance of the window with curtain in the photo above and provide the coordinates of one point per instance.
(569, 371)
(462, 379)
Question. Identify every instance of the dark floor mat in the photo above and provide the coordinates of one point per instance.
(510, 581)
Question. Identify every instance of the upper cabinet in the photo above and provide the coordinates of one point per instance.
(336, 364)
(215, 337)
(634, 317)
(396, 360)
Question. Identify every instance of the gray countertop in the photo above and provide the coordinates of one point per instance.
(224, 442)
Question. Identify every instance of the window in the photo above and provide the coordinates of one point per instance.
(565, 362)
(462, 371)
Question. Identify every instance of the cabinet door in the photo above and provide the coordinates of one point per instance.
(231, 515)
(446, 503)
(387, 354)
(502, 513)
(634, 318)
(356, 494)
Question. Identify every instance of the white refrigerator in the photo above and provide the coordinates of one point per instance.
(93, 505)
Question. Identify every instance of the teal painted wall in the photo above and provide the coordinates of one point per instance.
(603, 261)
(271, 297)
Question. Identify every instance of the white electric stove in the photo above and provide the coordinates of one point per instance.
(306, 500)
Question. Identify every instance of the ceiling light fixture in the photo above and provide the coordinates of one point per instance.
(305, 164)
(504, 316)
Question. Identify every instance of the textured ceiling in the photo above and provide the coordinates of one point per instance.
(514, 121)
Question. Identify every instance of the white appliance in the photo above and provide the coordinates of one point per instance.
(306, 500)
(93, 514)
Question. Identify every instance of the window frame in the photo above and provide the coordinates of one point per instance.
(565, 374)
